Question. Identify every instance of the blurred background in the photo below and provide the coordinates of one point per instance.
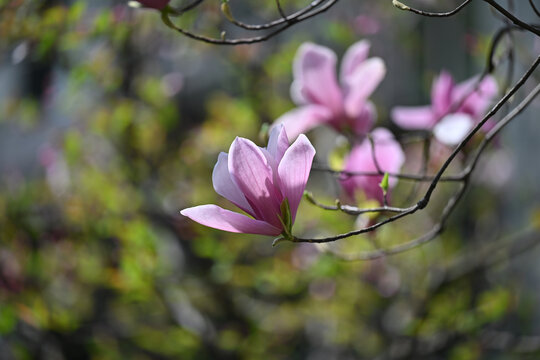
(110, 123)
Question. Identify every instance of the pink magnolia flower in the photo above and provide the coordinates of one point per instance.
(322, 100)
(454, 109)
(389, 155)
(260, 181)
(155, 4)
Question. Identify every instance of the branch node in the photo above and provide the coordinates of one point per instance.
(280, 240)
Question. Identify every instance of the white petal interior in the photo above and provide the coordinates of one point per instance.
(453, 128)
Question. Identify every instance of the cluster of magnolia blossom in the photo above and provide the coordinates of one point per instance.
(268, 183)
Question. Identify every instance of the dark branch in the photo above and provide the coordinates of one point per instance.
(513, 18)
(402, 6)
(313, 9)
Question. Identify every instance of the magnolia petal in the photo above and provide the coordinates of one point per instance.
(278, 142)
(250, 170)
(365, 120)
(477, 102)
(303, 119)
(296, 93)
(414, 118)
(314, 71)
(218, 218)
(361, 84)
(294, 171)
(226, 187)
(359, 125)
(355, 55)
(488, 86)
(389, 155)
(388, 152)
(360, 159)
(453, 128)
(441, 93)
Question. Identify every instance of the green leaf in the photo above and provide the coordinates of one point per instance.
(384, 183)
(226, 10)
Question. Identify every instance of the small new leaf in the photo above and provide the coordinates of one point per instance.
(226, 10)
(384, 183)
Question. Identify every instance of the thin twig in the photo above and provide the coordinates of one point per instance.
(280, 10)
(284, 19)
(343, 174)
(353, 210)
(315, 8)
(513, 18)
(186, 8)
(499, 126)
(402, 6)
(427, 237)
(535, 9)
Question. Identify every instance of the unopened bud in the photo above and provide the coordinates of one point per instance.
(226, 10)
(400, 5)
